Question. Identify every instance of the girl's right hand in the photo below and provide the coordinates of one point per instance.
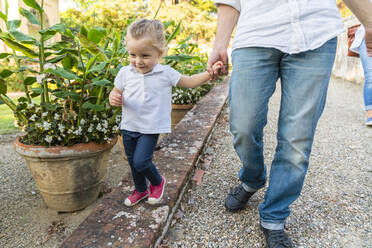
(217, 67)
(115, 98)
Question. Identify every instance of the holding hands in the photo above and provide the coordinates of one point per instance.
(218, 64)
(215, 70)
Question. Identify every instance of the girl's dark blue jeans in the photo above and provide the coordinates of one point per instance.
(139, 149)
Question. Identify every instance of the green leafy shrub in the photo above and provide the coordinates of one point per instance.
(72, 79)
(187, 59)
(12, 81)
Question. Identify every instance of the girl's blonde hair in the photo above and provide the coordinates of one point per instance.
(152, 28)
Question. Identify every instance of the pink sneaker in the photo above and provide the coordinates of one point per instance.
(136, 197)
(156, 192)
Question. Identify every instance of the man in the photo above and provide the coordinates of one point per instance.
(294, 41)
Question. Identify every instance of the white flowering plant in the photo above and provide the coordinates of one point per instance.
(66, 82)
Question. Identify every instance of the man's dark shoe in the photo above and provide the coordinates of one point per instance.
(276, 238)
(237, 198)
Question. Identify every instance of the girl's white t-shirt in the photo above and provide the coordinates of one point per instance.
(147, 98)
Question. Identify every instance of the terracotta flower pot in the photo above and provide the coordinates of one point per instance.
(69, 178)
(120, 140)
(178, 112)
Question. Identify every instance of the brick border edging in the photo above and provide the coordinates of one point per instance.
(111, 224)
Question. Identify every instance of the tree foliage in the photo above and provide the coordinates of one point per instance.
(198, 16)
(343, 9)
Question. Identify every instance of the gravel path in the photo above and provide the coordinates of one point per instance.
(334, 209)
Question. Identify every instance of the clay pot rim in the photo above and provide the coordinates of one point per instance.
(76, 148)
(182, 106)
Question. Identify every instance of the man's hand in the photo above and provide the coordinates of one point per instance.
(214, 57)
(115, 98)
(368, 40)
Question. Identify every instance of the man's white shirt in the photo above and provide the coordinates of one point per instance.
(291, 26)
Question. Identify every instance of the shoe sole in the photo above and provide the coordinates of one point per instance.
(234, 210)
(132, 204)
(152, 200)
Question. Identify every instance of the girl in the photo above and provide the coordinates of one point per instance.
(143, 89)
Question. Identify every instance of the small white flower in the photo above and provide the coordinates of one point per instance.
(59, 138)
(31, 105)
(56, 116)
(78, 131)
(82, 122)
(104, 130)
(118, 118)
(105, 123)
(49, 65)
(95, 117)
(44, 114)
(39, 78)
(61, 128)
(48, 138)
(33, 117)
(90, 129)
(46, 125)
(38, 125)
(99, 127)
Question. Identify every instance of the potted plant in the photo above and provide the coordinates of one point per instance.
(69, 126)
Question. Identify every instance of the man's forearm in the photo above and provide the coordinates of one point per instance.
(362, 9)
(227, 19)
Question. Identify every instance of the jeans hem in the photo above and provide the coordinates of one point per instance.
(272, 226)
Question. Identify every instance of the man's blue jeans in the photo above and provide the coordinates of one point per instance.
(367, 68)
(304, 81)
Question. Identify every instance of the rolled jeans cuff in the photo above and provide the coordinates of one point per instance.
(272, 226)
(368, 107)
